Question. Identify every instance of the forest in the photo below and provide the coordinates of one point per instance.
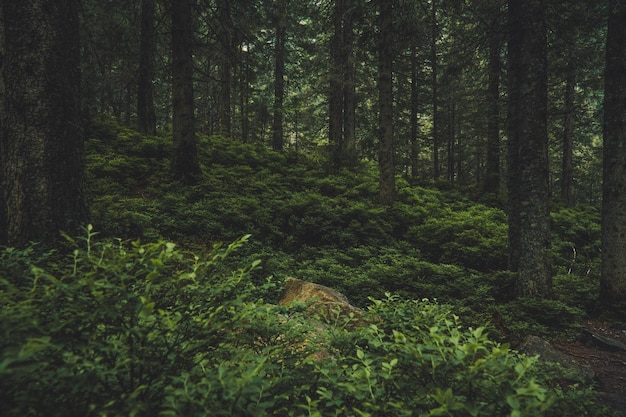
(454, 168)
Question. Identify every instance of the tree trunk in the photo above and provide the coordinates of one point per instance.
(528, 187)
(492, 175)
(225, 38)
(348, 143)
(567, 170)
(335, 93)
(613, 281)
(279, 78)
(184, 165)
(41, 147)
(145, 98)
(435, 92)
(385, 102)
(414, 111)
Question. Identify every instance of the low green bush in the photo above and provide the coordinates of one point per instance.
(127, 329)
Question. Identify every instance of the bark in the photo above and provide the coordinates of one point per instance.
(528, 188)
(492, 175)
(342, 96)
(279, 79)
(452, 141)
(613, 281)
(335, 93)
(348, 143)
(435, 89)
(225, 35)
(567, 170)
(184, 165)
(145, 97)
(41, 142)
(414, 110)
(385, 102)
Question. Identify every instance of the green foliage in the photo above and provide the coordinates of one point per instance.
(541, 317)
(433, 243)
(576, 240)
(122, 328)
(109, 330)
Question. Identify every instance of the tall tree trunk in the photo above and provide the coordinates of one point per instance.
(492, 175)
(529, 212)
(414, 110)
(145, 97)
(348, 148)
(41, 144)
(184, 164)
(279, 78)
(225, 38)
(244, 97)
(451, 140)
(336, 85)
(613, 281)
(386, 162)
(567, 170)
(435, 92)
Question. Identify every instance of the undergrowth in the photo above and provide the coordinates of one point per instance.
(123, 328)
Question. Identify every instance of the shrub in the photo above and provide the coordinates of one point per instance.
(130, 329)
(110, 331)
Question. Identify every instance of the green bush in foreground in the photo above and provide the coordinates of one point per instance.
(130, 329)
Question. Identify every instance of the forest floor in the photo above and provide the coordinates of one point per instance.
(596, 349)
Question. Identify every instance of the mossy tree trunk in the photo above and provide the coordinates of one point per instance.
(279, 76)
(185, 166)
(567, 167)
(145, 96)
(41, 144)
(613, 281)
(528, 187)
(225, 38)
(492, 174)
(342, 94)
(387, 188)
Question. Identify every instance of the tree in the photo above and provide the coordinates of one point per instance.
(41, 147)
(342, 96)
(435, 88)
(613, 281)
(528, 189)
(145, 99)
(492, 175)
(386, 163)
(567, 168)
(279, 75)
(184, 164)
(225, 35)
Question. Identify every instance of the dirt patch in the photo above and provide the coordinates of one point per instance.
(595, 349)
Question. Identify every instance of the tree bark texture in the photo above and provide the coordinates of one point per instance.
(386, 162)
(145, 96)
(567, 168)
(335, 75)
(492, 175)
(41, 143)
(435, 89)
(613, 281)
(414, 110)
(528, 180)
(184, 164)
(348, 148)
(226, 41)
(279, 77)
(342, 94)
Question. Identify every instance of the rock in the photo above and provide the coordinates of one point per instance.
(323, 300)
(534, 345)
(603, 341)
